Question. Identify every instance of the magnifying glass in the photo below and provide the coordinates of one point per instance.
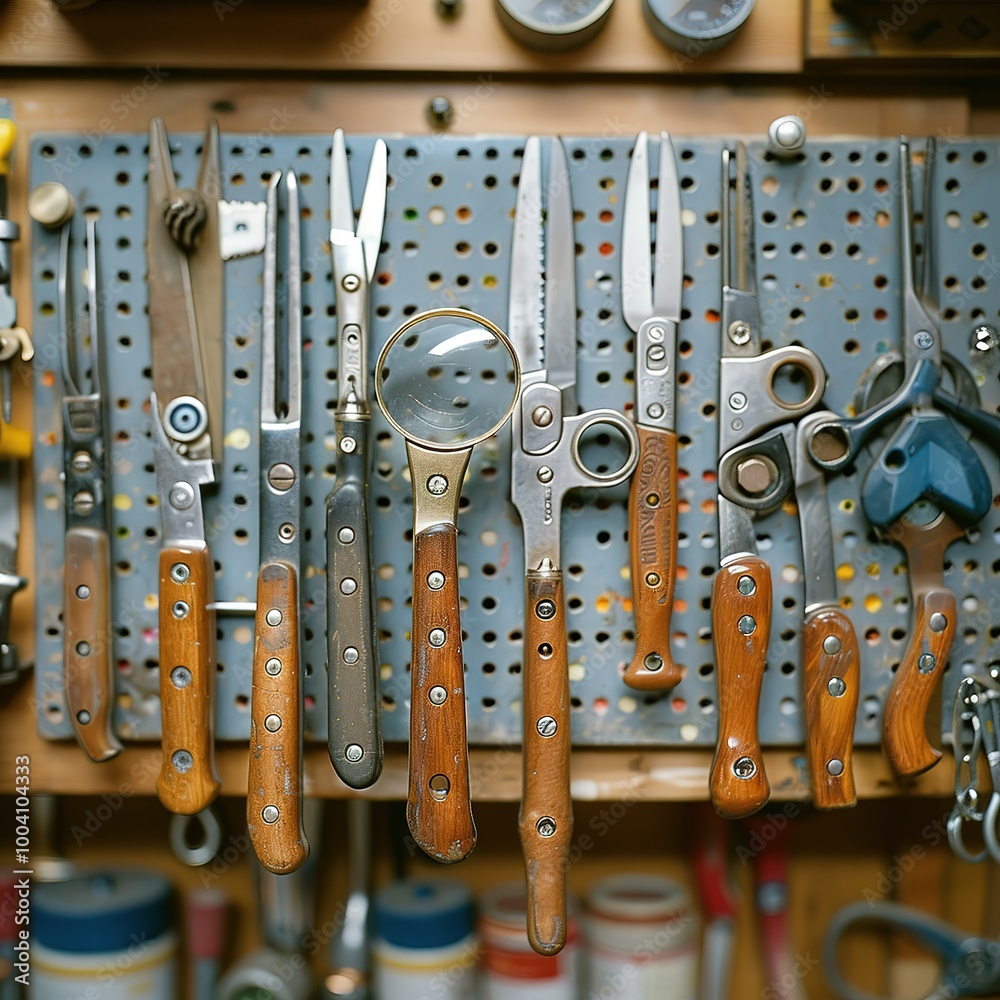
(446, 380)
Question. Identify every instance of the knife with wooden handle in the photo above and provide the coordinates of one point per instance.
(274, 786)
(546, 817)
(188, 780)
(88, 665)
(741, 626)
(439, 804)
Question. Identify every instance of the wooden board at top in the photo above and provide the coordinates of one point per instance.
(382, 35)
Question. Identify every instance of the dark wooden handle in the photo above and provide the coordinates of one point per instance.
(439, 803)
(274, 785)
(652, 532)
(546, 818)
(88, 664)
(831, 683)
(741, 624)
(904, 732)
(188, 780)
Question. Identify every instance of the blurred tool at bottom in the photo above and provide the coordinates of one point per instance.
(425, 943)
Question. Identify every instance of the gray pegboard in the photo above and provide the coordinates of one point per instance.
(829, 270)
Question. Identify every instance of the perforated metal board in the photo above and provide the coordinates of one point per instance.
(829, 269)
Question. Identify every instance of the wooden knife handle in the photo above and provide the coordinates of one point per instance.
(831, 682)
(904, 732)
(274, 785)
(88, 664)
(546, 818)
(188, 780)
(652, 532)
(741, 624)
(439, 803)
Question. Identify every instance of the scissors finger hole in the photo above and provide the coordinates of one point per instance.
(603, 450)
(830, 443)
(792, 384)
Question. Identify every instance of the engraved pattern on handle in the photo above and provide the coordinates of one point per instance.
(439, 806)
(88, 665)
(831, 681)
(353, 663)
(274, 783)
(546, 817)
(904, 723)
(652, 527)
(741, 625)
(188, 781)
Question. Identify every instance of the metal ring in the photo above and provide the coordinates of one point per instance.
(181, 402)
(955, 823)
(805, 360)
(611, 418)
(201, 853)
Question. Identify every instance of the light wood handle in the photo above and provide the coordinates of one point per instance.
(741, 624)
(188, 780)
(88, 664)
(904, 732)
(652, 532)
(831, 682)
(439, 803)
(274, 785)
(546, 818)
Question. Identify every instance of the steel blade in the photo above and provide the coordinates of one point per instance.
(560, 279)
(668, 263)
(371, 220)
(746, 248)
(637, 239)
(269, 312)
(524, 317)
(341, 206)
(818, 563)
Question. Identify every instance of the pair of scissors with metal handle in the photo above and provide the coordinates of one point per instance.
(546, 463)
(969, 964)
(749, 404)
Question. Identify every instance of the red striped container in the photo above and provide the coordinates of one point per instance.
(511, 970)
(641, 940)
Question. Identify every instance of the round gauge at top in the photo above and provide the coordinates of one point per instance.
(709, 24)
(553, 24)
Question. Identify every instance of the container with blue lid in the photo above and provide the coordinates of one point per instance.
(112, 928)
(425, 940)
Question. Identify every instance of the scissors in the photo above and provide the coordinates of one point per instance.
(975, 728)
(969, 964)
(186, 297)
(546, 463)
(749, 403)
(355, 727)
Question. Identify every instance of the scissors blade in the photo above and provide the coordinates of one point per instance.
(814, 517)
(341, 206)
(524, 318)
(746, 264)
(371, 220)
(177, 359)
(637, 238)
(560, 278)
(668, 262)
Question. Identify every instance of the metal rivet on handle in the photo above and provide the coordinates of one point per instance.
(836, 686)
(744, 768)
(653, 662)
(924, 339)
(746, 585)
(547, 726)
(350, 282)
(652, 499)
(346, 535)
(351, 655)
(272, 667)
(272, 723)
(180, 609)
(180, 677)
(546, 826)
(83, 592)
(831, 645)
(270, 814)
(286, 532)
(938, 622)
(541, 416)
(655, 411)
(348, 445)
(438, 637)
(739, 333)
(652, 579)
(83, 717)
(437, 485)
(926, 663)
(273, 617)
(544, 474)
(437, 695)
(83, 648)
(182, 761)
(354, 753)
(348, 586)
(181, 496)
(737, 401)
(180, 572)
(439, 786)
(835, 767)
(281, 477)
(747, 625)
(546, 610)
(435, 580)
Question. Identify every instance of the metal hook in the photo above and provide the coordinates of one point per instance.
(186, 847)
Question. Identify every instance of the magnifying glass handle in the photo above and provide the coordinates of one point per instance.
(439, 805)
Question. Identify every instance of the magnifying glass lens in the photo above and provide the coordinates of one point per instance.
(447, 381)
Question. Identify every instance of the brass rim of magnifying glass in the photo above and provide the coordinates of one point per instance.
(465, 314)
